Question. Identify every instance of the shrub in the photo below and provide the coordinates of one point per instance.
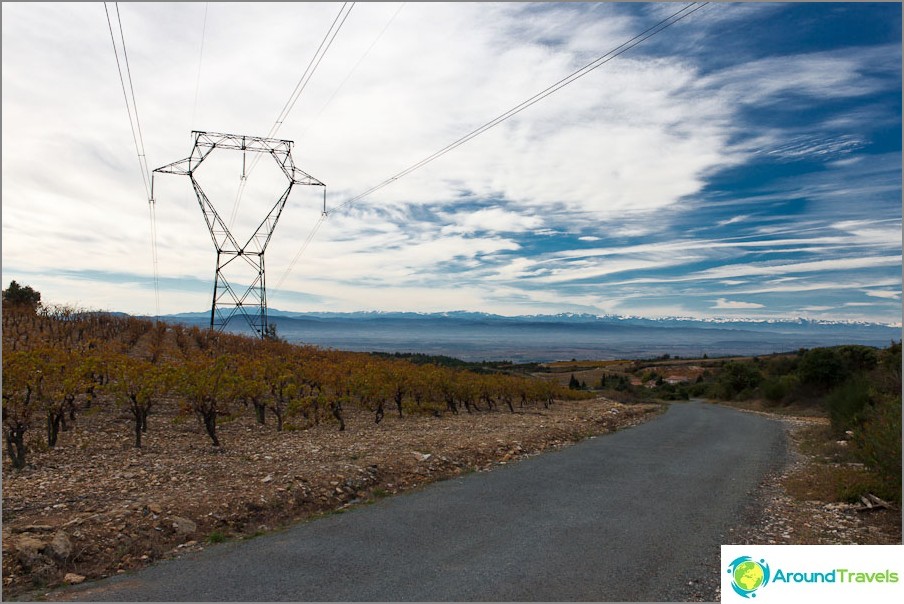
(697, 389)
(782, 365)
(847, 403)
(737, 378)
(778, 390)
(822, 368)
(878, 443)
(858, 358)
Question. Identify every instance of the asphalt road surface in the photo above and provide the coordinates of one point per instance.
(631, 516)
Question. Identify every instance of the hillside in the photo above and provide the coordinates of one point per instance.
(298, 432)
(143, 441)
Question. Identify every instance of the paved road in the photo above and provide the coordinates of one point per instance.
(632, 516)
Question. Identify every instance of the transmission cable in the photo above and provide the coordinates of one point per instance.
(312, 66)
(348, 76)
(135, 125)
(636, 40)
(194, 107)
(615, 52)
(325, 44)
(301, 250)
(357, 64)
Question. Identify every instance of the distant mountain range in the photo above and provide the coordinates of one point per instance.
(481, 317)
(475, 336)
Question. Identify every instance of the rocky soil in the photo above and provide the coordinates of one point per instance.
(95, 505)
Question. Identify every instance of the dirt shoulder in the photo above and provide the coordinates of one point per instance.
(784, 513)
(795, 509)
(96, 506)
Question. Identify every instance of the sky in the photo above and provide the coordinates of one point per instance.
(745, 162)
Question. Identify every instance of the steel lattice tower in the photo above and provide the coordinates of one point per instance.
(230, 298)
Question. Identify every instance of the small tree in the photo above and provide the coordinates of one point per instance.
(251, 387)
(60, 379)
(822, 368)
(270, 333)
(736, 377)
(138, 385)
(284, 389)
(19, 381)
(23, 297)
(207, 385)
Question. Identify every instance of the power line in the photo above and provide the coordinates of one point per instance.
(131, 108)
(325, 44)
(138, 138)
(312, 66)
(323, 215)
(360, 60)
(615, 52)
(624, 47)
(194, 107)
(301, 250)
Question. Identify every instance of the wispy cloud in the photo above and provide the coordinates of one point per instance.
(885, 294)
(746, 270)
(723, 304)
(719, 164)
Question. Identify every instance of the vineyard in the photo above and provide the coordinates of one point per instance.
(129, 440)
(56, 363)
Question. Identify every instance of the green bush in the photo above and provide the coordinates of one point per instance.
(779, 390)
(737, 380)
(878, 443)
(847, 403)
(822, 368)
(858, 358)
(773, 391)
(782, 365)
(698, 389)
(891, 357)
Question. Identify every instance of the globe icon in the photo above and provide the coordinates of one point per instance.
(748, 575)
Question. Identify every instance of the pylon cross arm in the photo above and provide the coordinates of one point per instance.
(300, 177)
(182, 167)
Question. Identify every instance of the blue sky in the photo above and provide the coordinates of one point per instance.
(745, 162)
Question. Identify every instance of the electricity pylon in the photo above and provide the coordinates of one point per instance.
(230, 298)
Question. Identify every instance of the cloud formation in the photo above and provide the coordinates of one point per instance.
(728, 158)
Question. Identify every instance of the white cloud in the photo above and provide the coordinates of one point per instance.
(734, 220)
(879, 234)
(490, 220)
(722, 303)
(845, 73)
(618, 154)
(886, 294)
(748, 270)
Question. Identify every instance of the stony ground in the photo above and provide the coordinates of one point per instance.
(95, 505)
